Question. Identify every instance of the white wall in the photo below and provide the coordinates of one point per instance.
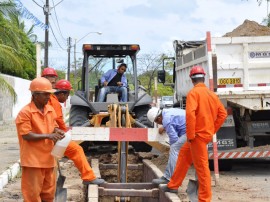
(21, 87)
(23, 95)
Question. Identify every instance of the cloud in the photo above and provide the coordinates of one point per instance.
(152, 24)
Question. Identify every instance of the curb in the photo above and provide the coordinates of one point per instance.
(9, 174)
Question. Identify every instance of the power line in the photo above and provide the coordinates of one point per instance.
(37, 4)
(56, 39)
(42, 1)
(54, 23)
(57, 21)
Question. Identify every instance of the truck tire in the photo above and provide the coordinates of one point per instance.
(141, 114)
(78, 115)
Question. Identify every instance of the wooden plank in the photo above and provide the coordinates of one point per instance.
(154, 193)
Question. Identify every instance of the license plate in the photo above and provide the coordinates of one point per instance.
(225, 81)
(229, 122)
(266, 103)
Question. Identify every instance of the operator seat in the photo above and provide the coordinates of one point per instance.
(110, 97)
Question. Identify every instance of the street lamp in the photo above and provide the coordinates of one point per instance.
(75, 60)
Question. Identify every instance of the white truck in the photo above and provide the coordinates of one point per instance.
(238, 71)
(166, 102)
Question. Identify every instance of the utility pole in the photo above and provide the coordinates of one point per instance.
(46, 10)
(38, 69)
(68, 69)
(75, 64)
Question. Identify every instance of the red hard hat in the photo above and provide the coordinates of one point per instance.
(63, 85)
(196, 71)
(48, 71)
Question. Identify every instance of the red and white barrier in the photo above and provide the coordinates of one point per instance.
(117, 134)
(241, 154)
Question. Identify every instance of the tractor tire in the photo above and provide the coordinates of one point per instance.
(141, 115)
(78, 115)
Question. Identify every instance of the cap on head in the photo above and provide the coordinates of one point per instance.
(153, 113)
(196, 72)
(41, 85)
(48, 71)
(63, 85)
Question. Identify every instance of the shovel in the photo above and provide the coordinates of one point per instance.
(192, 190)
(61, 193)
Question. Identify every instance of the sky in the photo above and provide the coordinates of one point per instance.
(153, 24)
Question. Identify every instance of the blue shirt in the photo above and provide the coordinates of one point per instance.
(108, 76)
(174, 122)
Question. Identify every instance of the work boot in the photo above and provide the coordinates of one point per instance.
(167, 189)
(161, 180)
(95, 181)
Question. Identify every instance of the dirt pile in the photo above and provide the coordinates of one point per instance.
(249, 28)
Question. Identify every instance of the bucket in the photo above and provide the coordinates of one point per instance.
(61, 145)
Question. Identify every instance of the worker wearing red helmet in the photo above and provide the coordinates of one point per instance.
(73, 151)
(204, 116)
(50, 74)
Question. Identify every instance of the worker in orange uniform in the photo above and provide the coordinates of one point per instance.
(204, 116)
(73, 151)
(37, 131)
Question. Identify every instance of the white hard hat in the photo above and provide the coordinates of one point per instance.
(153, 113)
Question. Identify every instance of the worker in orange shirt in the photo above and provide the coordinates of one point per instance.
(37, 131)
(73, 151)
(204, 116)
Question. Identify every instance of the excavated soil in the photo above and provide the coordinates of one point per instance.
(249, 28)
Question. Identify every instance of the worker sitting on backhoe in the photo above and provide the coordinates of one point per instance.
(73, 151)
(173, 121)
(114, 81)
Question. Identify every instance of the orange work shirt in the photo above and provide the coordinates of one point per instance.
(204, 112)
(36, 153)
(53, 101)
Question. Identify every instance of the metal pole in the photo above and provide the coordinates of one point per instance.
(38, 62)
(75, 64)
(155, 80)
(68, 68)
(46, 11)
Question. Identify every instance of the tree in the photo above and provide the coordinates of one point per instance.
(17, 52)
(148, 65)
(266, 21)
(6, 88)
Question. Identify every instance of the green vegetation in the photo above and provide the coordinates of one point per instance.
(17, 48)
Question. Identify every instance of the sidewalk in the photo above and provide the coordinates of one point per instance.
(9, 152)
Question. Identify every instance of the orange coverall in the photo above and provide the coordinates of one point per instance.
(38, 175)
(204, 116)
(73, 151)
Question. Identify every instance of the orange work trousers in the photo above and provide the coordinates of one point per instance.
(76, 154)
(196, 153)
(38, 184)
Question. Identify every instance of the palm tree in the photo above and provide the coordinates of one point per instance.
(15, 19)
(7, 88)
(266, 21)
(7, 53)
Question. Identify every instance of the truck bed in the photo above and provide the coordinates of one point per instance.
(235, 67)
